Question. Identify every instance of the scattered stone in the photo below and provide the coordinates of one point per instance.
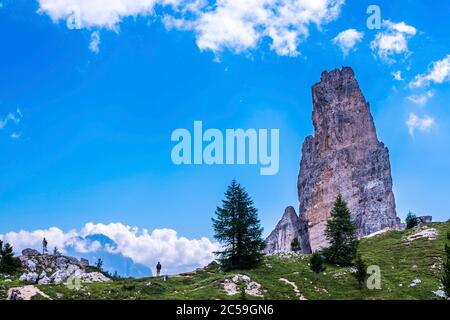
(415, 282)
(30, 252)
(426, 233)
(31, 277)
(84, 263)
(424, 219)
(440, 294)
(231, 286)
(93, 277)
(25, 293)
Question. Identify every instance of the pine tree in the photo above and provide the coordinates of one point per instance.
(295, 245)
(340, 232)
(411, 220)
(316, 264)
(446, 271)
(237, 227)
(361, 271)
(8, 263)
(44, 246)
(99, 264)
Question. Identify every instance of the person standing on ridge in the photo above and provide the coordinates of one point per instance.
(158, 269)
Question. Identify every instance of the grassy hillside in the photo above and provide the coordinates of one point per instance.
(400, 262)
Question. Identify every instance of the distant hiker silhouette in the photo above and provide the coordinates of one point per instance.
(158, 269)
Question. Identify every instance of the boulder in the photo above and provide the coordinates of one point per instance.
(30, 252)
(84, 263)
(59, 276)
(31, 277)
(30, 265)
(424, 219)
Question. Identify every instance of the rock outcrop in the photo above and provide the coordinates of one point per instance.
(288, 228)
(46, 269)
(344, 156)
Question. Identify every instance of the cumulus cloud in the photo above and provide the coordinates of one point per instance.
(439, 72)
(95, 42)
(95, 13)
(347, 39)
(237, 25)
(175, 252)
(421, 99)
(393, 40)
(415, 122)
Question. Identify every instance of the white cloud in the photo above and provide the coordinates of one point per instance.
(347, 39)
(95, 42)
(437, 73)
(415, 122)
(237, 25)
(14, 117)
(15, 135)
(176, 253)
(393, 40)
(397, 75)
(95, 13)
(421, 99)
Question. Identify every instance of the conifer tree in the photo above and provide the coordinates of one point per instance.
(316, 264)
(237, 227)
(361, 271)
(295, 245)
(340, 232)
(411, 220)
(7, 261)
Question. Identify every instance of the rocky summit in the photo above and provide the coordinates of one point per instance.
(290, 227)
(344, 156)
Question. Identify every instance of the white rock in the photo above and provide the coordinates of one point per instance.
(25, 293)
(415, 282)
(251, 287)
(427, 233)
(93, 277)
(29, 277)
(30, 265)
(440, 294)
(59, 276)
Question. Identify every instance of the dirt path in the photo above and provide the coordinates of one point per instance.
(294, 286)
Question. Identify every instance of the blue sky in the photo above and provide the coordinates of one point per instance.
(86, 114)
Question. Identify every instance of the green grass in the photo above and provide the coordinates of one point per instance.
(399, 263)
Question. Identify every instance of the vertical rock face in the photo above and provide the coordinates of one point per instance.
(290, 227)
(344, 156)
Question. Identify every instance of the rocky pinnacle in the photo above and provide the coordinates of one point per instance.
(344, 156)
(288, 228)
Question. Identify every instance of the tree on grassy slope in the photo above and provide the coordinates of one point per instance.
(237, 227)
(361, 271)
(340, 232)
(316, 264)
